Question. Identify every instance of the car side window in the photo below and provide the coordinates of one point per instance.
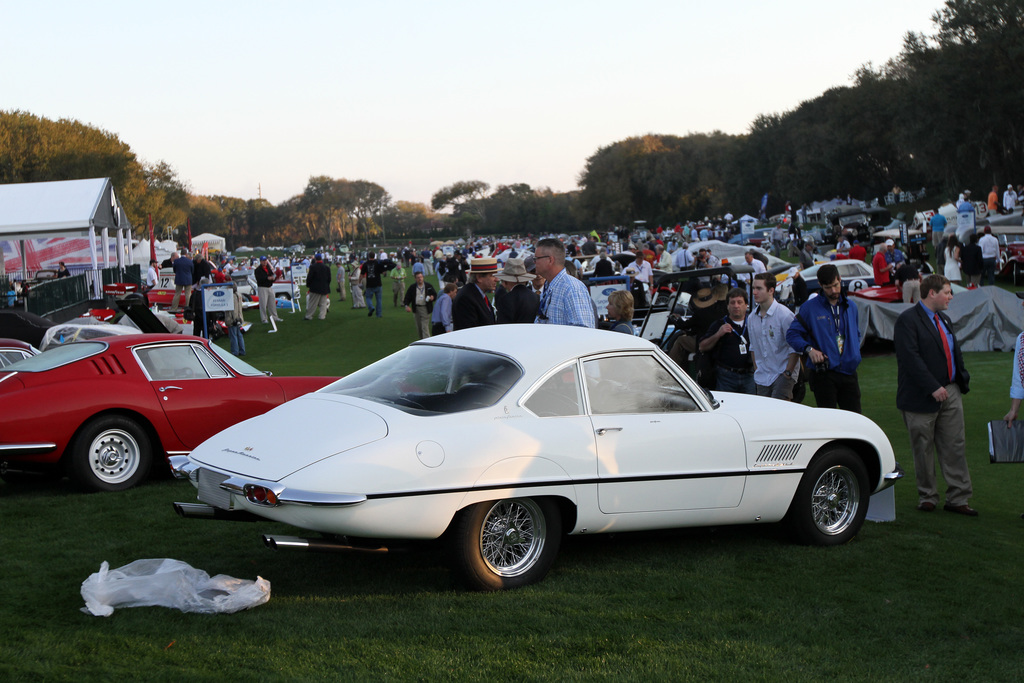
(178, 362)
(619, 385)
(559, 396)
(13, 356)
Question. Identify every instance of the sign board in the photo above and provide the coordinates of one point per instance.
(218, 298)
(965, 223)
(600, 293)
(298, 273)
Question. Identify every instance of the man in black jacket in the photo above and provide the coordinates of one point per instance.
(471, 307)
(931, 378)
(419, 300)
(318, 286)
(519, 303)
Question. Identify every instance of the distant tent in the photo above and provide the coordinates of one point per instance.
(214, 242)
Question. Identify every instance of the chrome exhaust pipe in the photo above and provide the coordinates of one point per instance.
(317, 544)
(202, 511)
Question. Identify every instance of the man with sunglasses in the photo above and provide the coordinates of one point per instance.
(565, 300)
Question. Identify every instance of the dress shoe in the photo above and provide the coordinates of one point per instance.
(964, 509)
(926, 506)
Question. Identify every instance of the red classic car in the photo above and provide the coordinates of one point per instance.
(13, 350)
(102, 411)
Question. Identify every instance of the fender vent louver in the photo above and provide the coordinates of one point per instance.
(777, 454)
(108, 365)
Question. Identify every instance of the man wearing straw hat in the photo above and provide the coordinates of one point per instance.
(565, 300)
(519, 304)
(471, 307)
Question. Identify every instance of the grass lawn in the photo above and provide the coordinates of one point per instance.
(927, 597)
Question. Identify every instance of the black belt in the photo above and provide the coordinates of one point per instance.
(738, 371)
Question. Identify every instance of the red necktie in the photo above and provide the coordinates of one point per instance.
(945, 347)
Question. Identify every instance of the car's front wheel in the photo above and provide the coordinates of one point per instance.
(832, 499)
(111, 453)
(506, 543)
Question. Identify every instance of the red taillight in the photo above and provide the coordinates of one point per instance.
(260, 495)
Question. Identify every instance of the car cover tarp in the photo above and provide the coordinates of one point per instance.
(984, 319)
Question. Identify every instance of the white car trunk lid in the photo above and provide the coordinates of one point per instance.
(292, 436)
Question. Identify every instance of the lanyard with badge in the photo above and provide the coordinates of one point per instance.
(837, 320)
(740, 333)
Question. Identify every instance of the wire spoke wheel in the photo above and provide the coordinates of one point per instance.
(831, 501)
(835, 500)
(512, 536)
(506, 543)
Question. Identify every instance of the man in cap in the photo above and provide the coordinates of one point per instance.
(565, 300)
(397, 276)
(519, 304)
(883, 269)
(1009, 199)
(318, 288)
(706, 305)
(471, 307)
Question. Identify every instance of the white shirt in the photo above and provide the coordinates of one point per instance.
(758, 268)
(989, 246)
(152, 277)
(682, 258)
(644, 272)
(768, 342)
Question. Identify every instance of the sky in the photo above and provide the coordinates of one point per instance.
(252, 98)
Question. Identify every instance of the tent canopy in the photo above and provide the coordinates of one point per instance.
(214, 241)
(63, 208)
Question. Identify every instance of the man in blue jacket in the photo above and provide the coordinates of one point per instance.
(182, 281)
(826, 330)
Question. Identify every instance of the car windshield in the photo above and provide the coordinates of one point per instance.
(425, 379)
(57, 356)
(236, 363)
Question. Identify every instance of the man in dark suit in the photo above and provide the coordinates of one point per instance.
(471, 307)
(931, 378)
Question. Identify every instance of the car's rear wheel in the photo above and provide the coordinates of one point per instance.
(832, 499)
(111, 453)
(506, 543)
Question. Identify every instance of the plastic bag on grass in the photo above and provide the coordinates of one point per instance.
(169, 583)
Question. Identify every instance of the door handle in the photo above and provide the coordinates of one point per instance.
(604, 430)
(169, 387)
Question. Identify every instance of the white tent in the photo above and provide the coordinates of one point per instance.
(164, 250)
(212, 240)
(41, 223)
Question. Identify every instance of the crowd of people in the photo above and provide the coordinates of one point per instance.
(752, 345)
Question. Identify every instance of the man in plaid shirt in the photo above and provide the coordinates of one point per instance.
(565, 300)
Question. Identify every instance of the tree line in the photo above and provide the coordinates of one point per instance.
(943, 114)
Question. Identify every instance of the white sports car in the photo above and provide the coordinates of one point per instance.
(505, 437)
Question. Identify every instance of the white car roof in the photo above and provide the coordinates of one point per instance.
(541, 346)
